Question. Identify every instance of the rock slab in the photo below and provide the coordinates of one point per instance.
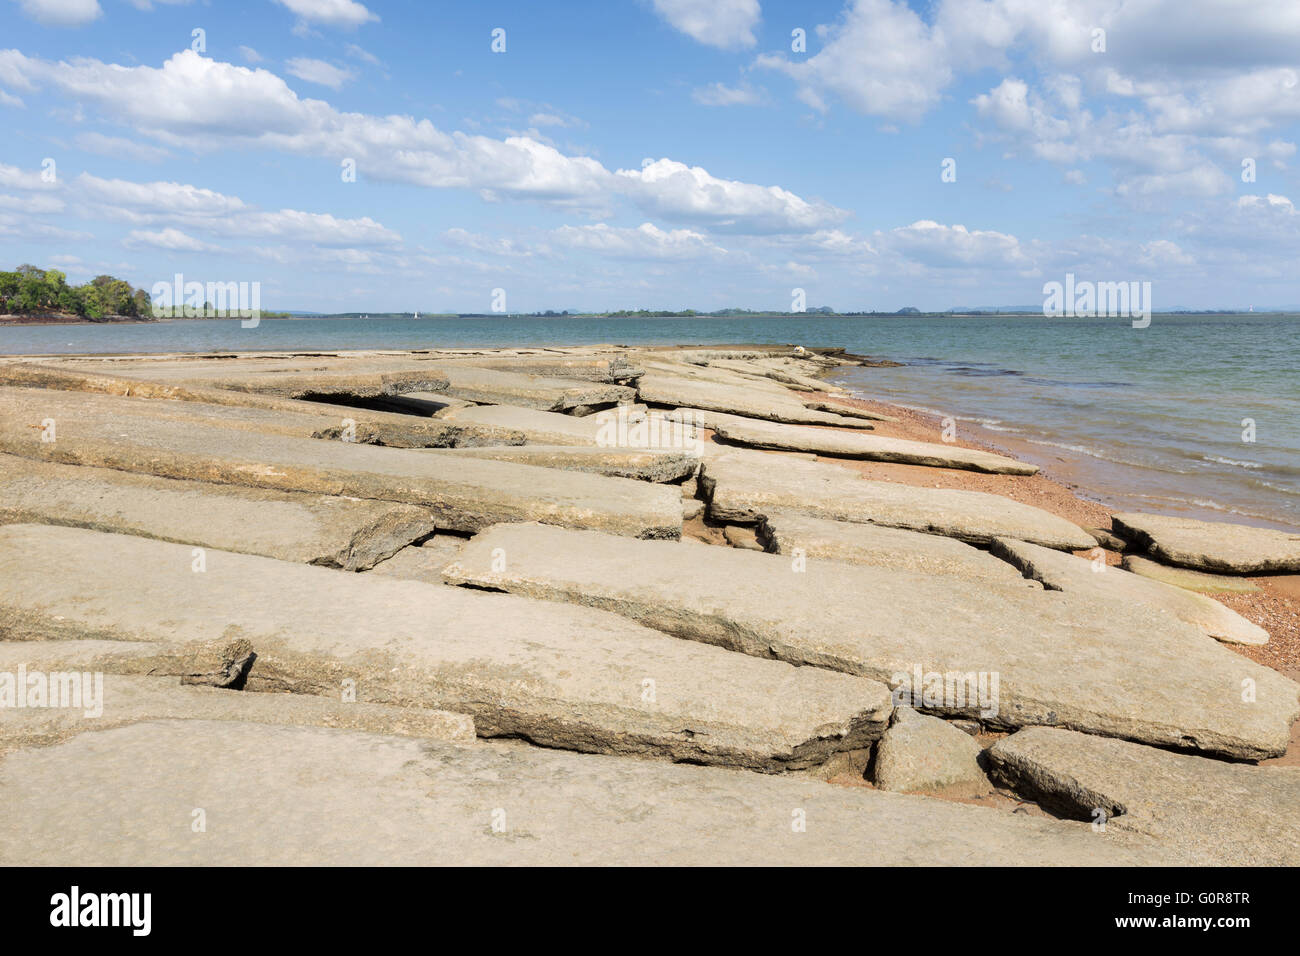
(348, 533)
(745, 486)
(559, 676)
(463, 495)
(1065, 572)
(282, 796)
(1212, 545)
(1223, 814)
(824, 441)
(1046, 657)
(919, 752)
(852, 542)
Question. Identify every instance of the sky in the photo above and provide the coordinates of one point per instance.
(661, 154)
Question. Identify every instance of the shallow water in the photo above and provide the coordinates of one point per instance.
(1142, 418)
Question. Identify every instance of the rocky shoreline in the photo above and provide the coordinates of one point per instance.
(601, 605)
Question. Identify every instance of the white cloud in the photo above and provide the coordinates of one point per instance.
(550, 119)
(172, 240)
(726, 24)
(157, 198)
(1146, 161)
(719, 94)
(318, 71)
(14, 177)
(937, 245)
(1195, 70)
(62, 13)
(250, 55)
(193, 100)
(1162, 253)
(496, 247)
(674, 190)
(8, 99)
(882, 60)
(212, 213)
(646, 241)
(330, 13)
(358, 53)
(38, 204)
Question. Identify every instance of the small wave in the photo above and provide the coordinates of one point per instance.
(1285, 489)
(1232, 461)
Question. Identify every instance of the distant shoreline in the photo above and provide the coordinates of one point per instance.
(47, 320)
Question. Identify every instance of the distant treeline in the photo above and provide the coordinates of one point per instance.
(29, 290)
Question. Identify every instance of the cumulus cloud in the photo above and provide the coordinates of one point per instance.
(185, 209)
(191, 99)
(882, 60)
(1191, 72)
(691, 193)
(725, 24)
(934, 244)
(1147, 161)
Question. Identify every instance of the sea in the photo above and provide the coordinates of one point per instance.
(1193, 414)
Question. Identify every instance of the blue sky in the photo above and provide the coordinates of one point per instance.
(657, 153)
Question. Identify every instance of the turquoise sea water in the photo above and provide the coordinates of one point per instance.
(1144, 419)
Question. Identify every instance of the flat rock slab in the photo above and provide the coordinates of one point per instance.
(848, 411)
(1065, 572)
(1187, 579)
(348, 533)
(1212, 545)
(643, 464)
(704, 418)
(923, 753)
(255, 411)
(463, 495)
(656, 388)
(426, 403)
(541, 428)
(560, 676)
(282, 796)
(824, 441)
(545, 393)
(1048, 657)
(1225, 814)
(745, 486)
(788, 532)
(417, 564)
(297, 376)
(129, 699)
